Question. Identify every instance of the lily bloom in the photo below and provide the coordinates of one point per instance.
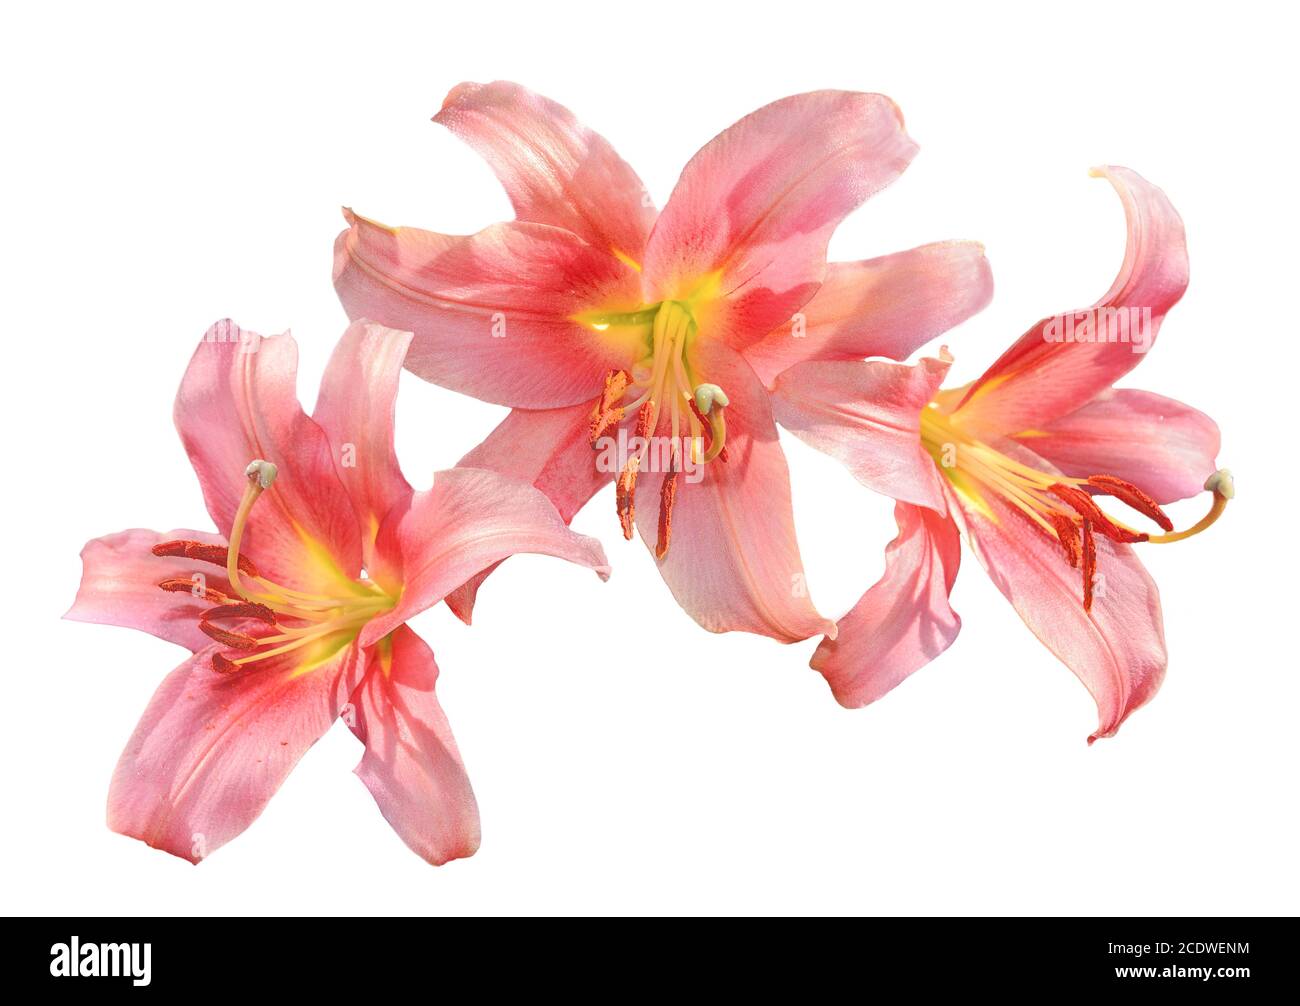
(634, 345)
(294, 613)
(1015, 463)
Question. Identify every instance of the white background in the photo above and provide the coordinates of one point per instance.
(166, 166)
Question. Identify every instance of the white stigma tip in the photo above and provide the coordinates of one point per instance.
(1221, 483)
(709, 395)
(263, 471)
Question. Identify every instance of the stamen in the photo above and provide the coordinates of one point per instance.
(1089, 563)
(201, 552)
(625, 496)
(1127, 492)
(667, 496)
(1085, 507)
(241, 609)
(181, 584)
(1068, 535)
(226, 637)
(608, 413)
(223, 665)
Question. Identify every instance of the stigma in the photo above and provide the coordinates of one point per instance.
(663, 392)
(1062, 508)
(260, 619)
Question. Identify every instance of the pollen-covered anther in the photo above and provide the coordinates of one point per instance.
(625, 496)
(263, 472)
(608, 413)
(202, 552)
(1089, 549)
(1067, 533)
(1131, 495)
(1083, 505)
(223, 664)
(667, 497)
(181, 584)
(241, 609)
(228, 637)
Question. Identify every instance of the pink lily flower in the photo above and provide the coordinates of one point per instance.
(295, 612)
(1014, 463)
(633, 344)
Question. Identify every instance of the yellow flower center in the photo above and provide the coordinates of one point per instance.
(317, 625)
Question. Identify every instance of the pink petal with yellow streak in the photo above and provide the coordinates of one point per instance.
(904, 621)
(468, 521)
(1162, 445)
(356, 408)
(1041, 378)
(867, 415)
(238, 402)
(212, 749)
(493, 313)
(753, 210)
(554, 169)
(411, 765)
(733, 562)
(888, 306)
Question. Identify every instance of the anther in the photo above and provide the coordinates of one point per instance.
(1128, 493)
(608, 413)
(1068, 535)
(201, 552)
(1084, 506)
(667, 496)
(181, 584)
(1089, 563)
(235, 640)
(223, 665)
(241, 609)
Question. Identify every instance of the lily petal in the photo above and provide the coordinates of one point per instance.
(753, 210)
(889, 306)
(411, 765)
(1042, 377)
(733, 562)
(469, 520)
(1164, 446)
(548, 448)
(237, 402)
(494, 314)
(554, 169)
(212, 749)
(904, 621)
(356, 408)
(119, 585)
(867, 415)
(1118, 649)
